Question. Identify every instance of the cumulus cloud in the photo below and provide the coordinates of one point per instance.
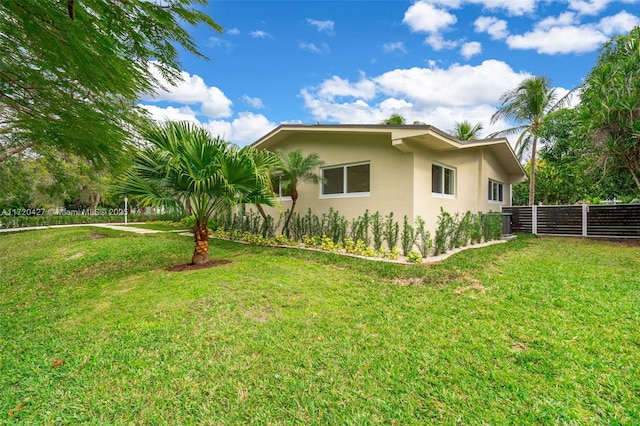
(425, 17)
(437, 96)
(496, 28)
(394, 46)
(339, 87)
(557, 35)
(622, 22)
(513, 7)
(171, 113)
(192, 90)
(590, 7)
(322, 26)
(244, 130)
(470, 49)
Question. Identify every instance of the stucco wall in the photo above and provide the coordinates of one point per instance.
(391, 173)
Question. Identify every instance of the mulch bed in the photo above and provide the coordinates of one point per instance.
(193, 267)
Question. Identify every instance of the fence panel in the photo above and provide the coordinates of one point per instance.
(559, 220)
(616, 220)
(521, 219)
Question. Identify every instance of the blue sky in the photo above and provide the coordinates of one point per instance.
(359, 61)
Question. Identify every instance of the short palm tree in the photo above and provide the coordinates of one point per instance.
(186, 168)
(528, 104)
(394, 120)
(294, 169)
(465, 131)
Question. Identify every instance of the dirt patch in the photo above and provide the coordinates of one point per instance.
(475, 286)
(408, 281)
(193, 267)
(97, 236)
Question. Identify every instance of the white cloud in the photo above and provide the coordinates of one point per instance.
(458, 85)
(232, 31)
(513, 7)
(253, 102)
(322, 26)
(393, 46)
(192, 90)
(437, 42)
(496, 28)
(322, 49)
(622, 22)
(437, 96)
(589, 7)
(170, 113)
(338, 87)
(470, 49)
(260, 34)
(563, 20)
(244, 130)
(559, 40)
(424, 17)
(556, 35)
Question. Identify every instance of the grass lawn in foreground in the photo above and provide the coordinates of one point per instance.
(534, 331)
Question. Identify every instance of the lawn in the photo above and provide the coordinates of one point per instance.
(94, 329)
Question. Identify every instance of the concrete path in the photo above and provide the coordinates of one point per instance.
(115, 226)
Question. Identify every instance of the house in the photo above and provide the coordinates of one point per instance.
(411, 170)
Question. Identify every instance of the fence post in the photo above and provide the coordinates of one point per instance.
(585, 210)
(534, 219)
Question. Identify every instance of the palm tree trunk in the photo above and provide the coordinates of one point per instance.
(532, 174)
(262, 213)
(201, 242)
(294, 198)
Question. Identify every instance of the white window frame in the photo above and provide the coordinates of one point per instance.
(454, 184)
(344, 181)
(500, 186)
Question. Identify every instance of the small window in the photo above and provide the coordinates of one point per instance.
(278, 189)
(496, 191)
(443, 180)
(348, 179)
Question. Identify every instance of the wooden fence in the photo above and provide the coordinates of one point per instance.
(617, 220)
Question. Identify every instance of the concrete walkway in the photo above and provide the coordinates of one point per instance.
(115, 226)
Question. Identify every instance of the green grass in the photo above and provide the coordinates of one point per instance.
(534, 331)
(159, 226)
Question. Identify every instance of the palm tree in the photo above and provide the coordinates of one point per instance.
(394, 120)
(465, 131)
(294, 169)
(528, 104)
(186, 168)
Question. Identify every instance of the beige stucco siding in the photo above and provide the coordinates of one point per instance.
(391, 174)
(494, 171)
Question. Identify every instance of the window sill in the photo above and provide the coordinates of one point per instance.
(447, 196)
(350, 195)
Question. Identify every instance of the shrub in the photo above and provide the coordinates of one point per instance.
(414, 257)
(422, 237)
(408, 238)
(391, 231)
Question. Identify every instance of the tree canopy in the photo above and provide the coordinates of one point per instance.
(528, 104)
(186, 168)
(466, 131)
(610, 102)
(70, 72)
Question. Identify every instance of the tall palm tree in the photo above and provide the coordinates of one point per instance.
(465, 131)
(186, 168)
(294, 169)
(528, 104)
